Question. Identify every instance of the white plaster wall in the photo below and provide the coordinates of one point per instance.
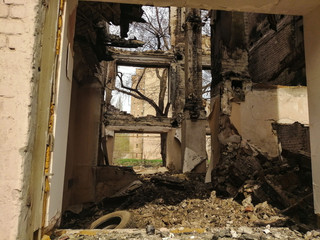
(293, 105)
(17, 38)
(61, 115)
(253, 118)
(312, 51)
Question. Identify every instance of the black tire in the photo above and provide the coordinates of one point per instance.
(115, 220)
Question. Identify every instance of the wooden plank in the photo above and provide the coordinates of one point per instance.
(138, 129)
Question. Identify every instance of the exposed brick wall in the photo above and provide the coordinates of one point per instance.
(12, 14)
(293, 137)
(234, 67)
(19, 59)
(276, 57)
(229, 58)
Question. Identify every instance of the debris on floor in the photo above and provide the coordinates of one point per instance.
(250, 197)
(187, 233)
(245, 174)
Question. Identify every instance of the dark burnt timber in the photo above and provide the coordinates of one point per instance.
(91, 13)
(151, 58)
(91, 35)
(116, 41)
(139, 129)
(193, 63)
(143, 59)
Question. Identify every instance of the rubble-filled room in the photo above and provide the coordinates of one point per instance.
(187, 124)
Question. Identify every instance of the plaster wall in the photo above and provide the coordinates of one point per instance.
(19, 59)
(83, 143)
(262, 107)
(61, 115)
(312, 51)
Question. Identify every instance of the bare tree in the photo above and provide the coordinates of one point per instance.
(160, 106)
(155, 32)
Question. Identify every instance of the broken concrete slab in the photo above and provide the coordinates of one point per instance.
(127, 190)
(193, 145)
(111, 179)
(191, 160)
(177, 134)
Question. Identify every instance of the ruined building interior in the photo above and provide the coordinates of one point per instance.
(257, 60)
(220, 96)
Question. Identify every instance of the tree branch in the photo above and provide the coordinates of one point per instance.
(163, 87)
(140, 78)
(137, 94)
(166, 111)
(128, 93)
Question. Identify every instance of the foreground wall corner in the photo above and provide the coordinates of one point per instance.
(312, 52)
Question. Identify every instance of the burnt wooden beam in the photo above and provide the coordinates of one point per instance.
(115, 41)
(152, 59)
(144, 59)
(138, 129)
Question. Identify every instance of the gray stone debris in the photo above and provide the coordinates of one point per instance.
(243, 232)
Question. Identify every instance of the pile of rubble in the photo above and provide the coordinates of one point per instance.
(250, 177)
(183, 200)
(250, 197)
(187, 233)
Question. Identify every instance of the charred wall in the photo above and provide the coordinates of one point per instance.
(273, 43)
(229, 58)
(248, 49)
(276, 49)
(293, 137)
(87, 96)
